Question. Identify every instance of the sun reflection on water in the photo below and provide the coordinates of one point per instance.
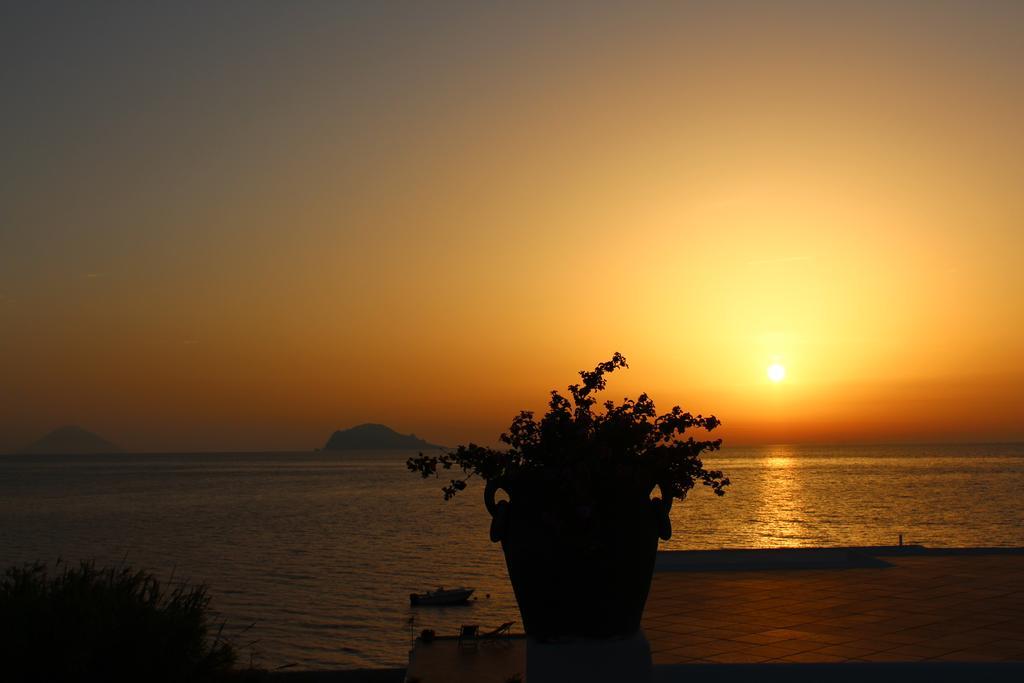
(779, 514)
(780, 456)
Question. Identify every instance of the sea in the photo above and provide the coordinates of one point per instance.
(310, 557)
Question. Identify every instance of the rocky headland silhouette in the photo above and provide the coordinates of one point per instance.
(375, 437)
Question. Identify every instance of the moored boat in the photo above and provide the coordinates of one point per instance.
(442, 596)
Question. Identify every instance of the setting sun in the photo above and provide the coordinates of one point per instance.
(776, 372)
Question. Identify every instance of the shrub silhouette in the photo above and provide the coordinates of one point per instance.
(115, 624)
(587, 455)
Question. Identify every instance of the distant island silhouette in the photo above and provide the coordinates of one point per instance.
(374, 437)
(70, 440)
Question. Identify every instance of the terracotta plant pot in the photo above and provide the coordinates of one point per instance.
(578, 570)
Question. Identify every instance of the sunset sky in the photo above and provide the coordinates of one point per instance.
(243, 225)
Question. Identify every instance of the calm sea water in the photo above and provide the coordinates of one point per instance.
(316, 553)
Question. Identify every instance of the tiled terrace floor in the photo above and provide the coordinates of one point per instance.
(945, 608)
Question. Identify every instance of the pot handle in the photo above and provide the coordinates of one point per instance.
(493, 486)
(499, 511)
(661, 507)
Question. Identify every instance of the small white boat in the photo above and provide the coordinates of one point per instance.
(442, 596)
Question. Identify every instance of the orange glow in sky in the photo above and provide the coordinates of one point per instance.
(221, 236)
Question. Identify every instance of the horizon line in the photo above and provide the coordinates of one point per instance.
(320, 449)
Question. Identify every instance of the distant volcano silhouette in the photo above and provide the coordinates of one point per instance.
(374, 437)
(71, 440)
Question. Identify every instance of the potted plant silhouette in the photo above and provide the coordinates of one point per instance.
(579, 529)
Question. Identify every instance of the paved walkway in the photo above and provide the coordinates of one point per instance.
(966, 608)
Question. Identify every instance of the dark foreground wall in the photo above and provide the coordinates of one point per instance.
(850, 672)
(344, 676)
